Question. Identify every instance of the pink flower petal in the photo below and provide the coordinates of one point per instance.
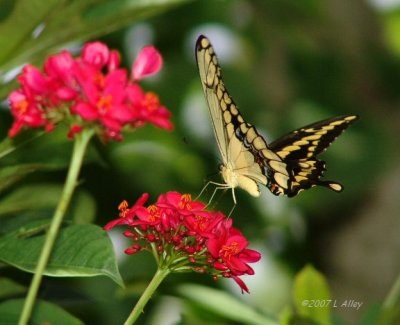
(147, 63)
(60, 66)
(16, 97)
(114, 60)
(86, 111)
(66, 94)
(34, 79)
(96, 53)
(241, 284)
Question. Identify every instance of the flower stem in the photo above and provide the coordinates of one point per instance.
(80, 145)
(151, 288)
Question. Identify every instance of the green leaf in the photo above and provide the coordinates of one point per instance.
(46, 196)
(388, 312)
(387, 316)
(312, 297)
(225, 305)
(371, 315)
(391, 25)
(9, 287)
(31, 197)
(38, 202)
(285, 315)
(393, 298)
(43, 313)
(83, 208)
(11, 174)
(8, 145)
(32, 147)
(16, 29)
(80, 251)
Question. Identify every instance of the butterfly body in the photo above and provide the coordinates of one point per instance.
(287, 165)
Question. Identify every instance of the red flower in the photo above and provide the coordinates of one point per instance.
(59, 68)
(186, 236)
(34, 81)
(25, 113)
(181, 202)
(127, 215)
(105, 102)
(204, 222)
(240, 283)
(229, 246)
(93, 88)
(73, 130)
(146, 107)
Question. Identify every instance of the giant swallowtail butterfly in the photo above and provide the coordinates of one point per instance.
(285, 166)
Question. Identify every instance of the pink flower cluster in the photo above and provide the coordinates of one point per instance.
(88, 91)
(184, 236)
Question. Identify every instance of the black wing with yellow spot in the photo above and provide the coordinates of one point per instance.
(300, 148)
(312, 139)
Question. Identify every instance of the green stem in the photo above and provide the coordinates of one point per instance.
(151, 288)
(80, 145)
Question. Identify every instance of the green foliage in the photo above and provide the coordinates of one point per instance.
(12, 174)
(81, 250)
(389, 311)
(37, 201)
(224, 305)
(311, 295)
(10, 288)
(44, 313)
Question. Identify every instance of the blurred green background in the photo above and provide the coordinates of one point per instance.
(286, 64)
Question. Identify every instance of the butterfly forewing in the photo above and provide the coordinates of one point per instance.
(210, 76)
(239, 143)
(312, 139)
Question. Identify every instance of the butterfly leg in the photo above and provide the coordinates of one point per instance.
(233, 197)
(230, 212)
(203, 189)
(219, 186)
(234, 202)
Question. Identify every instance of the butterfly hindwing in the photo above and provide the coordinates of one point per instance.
(300, 148)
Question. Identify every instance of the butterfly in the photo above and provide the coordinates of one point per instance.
(286, 166)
